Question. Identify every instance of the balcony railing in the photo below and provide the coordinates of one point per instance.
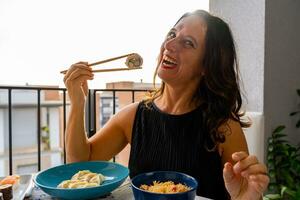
(90, 114)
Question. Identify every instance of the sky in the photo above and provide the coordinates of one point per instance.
(39, 38)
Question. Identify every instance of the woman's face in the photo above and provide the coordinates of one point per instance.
(182, 52)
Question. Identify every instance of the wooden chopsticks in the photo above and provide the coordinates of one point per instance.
(116, 69)
(109, 60)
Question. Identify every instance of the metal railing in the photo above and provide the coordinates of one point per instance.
(91, 114)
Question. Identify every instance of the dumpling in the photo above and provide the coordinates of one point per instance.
(134, 60)
(99, 178)
(80, 174)
(83, 179)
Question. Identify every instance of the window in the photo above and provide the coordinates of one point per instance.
(106, 107)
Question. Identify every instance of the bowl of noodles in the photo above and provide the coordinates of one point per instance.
(164, 185)
(81, 180)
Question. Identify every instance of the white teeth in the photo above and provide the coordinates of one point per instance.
(172, 61)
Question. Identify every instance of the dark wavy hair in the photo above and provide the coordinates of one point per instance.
(218, 90)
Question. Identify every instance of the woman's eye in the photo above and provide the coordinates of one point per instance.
(188, 43)
(171, 35)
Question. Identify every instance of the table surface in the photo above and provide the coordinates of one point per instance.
(123, 192)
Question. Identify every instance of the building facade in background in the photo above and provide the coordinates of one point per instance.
(24, 130)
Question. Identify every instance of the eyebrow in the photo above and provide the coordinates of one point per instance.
(173, 29)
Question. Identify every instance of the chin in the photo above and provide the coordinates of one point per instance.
(162, 75)
(165, 78)
(167, 75)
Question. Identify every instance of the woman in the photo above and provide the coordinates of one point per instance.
(191, 124)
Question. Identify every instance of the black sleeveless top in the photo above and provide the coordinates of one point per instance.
(162, 141)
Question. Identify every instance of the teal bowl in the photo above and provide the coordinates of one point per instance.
(163, 176)
(48, 180)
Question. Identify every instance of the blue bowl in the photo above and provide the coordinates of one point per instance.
(163, 176)
(48, 180)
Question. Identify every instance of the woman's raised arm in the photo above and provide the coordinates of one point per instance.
(110, 139)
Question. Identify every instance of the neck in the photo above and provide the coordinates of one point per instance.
(177, 100)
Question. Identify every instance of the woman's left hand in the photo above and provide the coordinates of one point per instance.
(247, 179)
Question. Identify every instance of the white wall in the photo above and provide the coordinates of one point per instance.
(246, 20)
(54, 122)
(268, 43)
(254, 135)
(282, 66)
(24, 128)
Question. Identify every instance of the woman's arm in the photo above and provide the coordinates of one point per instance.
(244, 176)
(107, 142)
(114, 136)
(235, 141)
(77, 146)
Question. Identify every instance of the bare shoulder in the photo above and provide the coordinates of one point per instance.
(125, 118)
(234, 140)
(231, 128)
(127, 112)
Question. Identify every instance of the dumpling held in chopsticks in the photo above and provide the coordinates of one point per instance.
(134, 60)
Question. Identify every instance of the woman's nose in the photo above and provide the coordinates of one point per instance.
(171, 44)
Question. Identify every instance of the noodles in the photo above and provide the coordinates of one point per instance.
(168, 187)
(83, 179)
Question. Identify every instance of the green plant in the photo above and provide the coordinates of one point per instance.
(45, 137)
(283, 161)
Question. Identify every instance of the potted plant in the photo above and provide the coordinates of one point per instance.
(283, 161)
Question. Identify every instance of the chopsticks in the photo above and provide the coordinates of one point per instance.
(112, 59)
(116, 69)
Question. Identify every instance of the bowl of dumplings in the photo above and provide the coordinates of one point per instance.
(81, 180)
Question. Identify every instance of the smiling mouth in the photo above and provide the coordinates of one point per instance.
(169, 62)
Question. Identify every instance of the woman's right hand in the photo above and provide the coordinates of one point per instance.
(76, 82)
